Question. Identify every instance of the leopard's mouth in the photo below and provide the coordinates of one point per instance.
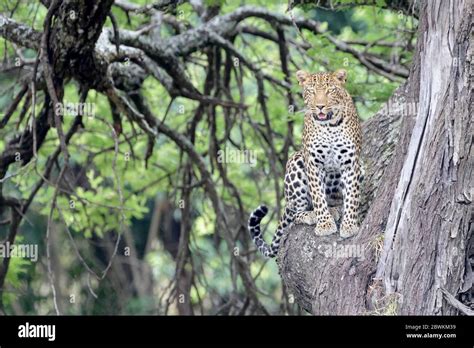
(322, 116)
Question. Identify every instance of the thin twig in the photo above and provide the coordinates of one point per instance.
(48, 232)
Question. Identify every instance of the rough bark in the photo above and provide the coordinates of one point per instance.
(418, 192)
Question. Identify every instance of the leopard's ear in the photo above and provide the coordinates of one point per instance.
(341, 75)
(302, 76)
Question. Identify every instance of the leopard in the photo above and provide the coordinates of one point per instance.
(322, 182)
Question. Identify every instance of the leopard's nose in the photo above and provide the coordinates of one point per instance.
(320, 106)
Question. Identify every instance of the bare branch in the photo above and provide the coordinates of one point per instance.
(456, 303)
(381, 67)
(19, 33)
(48, 75)
(376, 43)
(408, 7)
(157, 6)
(11, 109)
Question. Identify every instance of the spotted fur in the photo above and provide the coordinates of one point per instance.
(322, 180)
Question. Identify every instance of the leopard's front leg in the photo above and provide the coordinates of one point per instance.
(351, 195)
(325, 224)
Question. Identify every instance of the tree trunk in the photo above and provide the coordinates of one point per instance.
(415, 241)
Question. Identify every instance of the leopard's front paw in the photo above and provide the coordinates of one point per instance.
(348, 229)
(306, 218)
(325, 228)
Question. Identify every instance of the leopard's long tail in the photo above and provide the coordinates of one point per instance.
(256, 217)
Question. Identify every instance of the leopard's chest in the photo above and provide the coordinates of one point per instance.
(330, 148)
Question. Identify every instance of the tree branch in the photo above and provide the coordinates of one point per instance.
(157, 6)
(18, 33)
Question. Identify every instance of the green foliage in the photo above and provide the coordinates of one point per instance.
(339, 20)
(15, 277)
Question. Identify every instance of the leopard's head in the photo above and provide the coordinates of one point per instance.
(324, 94)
